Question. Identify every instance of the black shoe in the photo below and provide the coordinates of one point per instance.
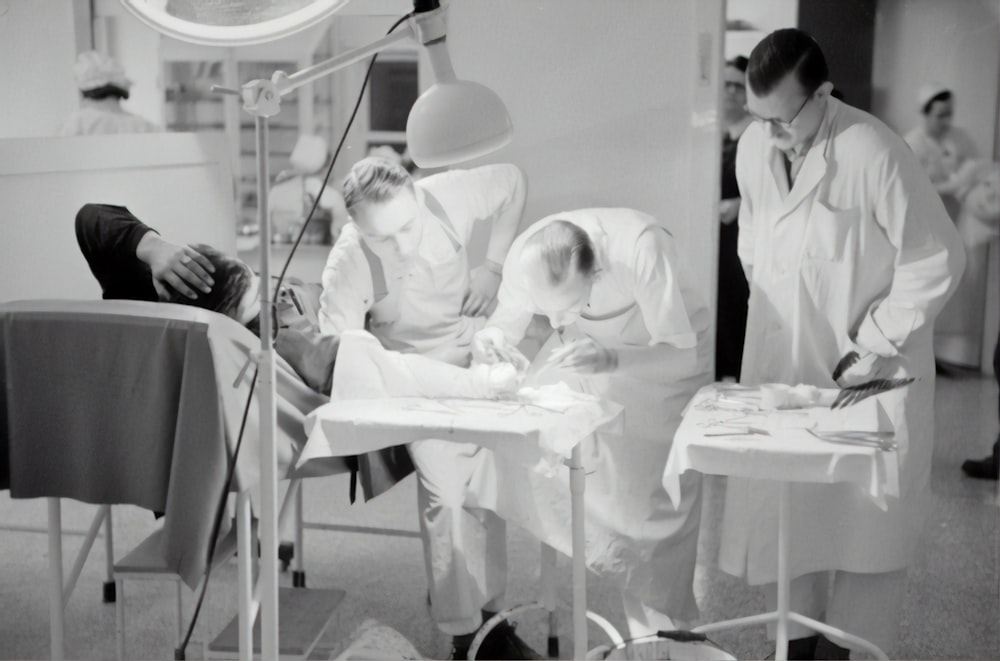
(800, 648)
(503, 643)
(983, 469)
(827, 649)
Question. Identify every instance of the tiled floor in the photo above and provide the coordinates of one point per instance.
(951, 609)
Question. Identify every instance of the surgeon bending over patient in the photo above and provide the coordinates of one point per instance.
(633, 329)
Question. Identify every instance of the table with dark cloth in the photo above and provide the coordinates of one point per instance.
(127, 402)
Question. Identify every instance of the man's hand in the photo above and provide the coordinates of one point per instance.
(483, 286)
(856, 368)
(489, 346)
(175, 268)
(729, 210)
(584, 357)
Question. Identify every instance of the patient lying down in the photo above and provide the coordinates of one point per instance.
(131, 261)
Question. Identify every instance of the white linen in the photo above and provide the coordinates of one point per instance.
(382, 399)
(788, 452)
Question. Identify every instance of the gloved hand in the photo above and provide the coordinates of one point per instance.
(175, 268)
(857, 367)
(479, 299)
(584, 356)
(489, 346)
(497, 381)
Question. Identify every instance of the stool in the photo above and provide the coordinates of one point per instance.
(146, 562)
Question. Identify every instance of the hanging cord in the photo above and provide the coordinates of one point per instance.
(180, 652)
(329, 171)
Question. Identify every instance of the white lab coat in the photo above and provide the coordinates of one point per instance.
(642, 297)
(105, 116)
(419, 311)
(859, 254)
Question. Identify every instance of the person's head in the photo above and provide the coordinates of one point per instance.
(734, 95)
(100, 77)
(235, 292)
(937, 107)
(382, 202)
(560, 264)
(788, 86)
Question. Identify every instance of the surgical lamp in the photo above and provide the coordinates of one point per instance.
(451, 122)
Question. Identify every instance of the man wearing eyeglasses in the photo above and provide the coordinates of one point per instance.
(850, 255)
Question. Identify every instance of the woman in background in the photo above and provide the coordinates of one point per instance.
(946, 153)
(731, 319)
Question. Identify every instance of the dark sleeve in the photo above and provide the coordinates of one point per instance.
(108, 236)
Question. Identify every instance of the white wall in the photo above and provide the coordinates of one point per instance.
(764, 15)
(37, 49)
(608, 106)
(956, 43)
(179, 183)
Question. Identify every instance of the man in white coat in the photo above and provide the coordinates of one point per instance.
(401, 270)
(847, 248)
(632, 328)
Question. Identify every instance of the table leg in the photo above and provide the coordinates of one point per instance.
(244, 538)
(576, 487)
(56, 610)
(781, 637)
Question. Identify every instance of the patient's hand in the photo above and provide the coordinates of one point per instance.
(497, 381)
(175, 268)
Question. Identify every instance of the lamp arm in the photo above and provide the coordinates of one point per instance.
(286, 83)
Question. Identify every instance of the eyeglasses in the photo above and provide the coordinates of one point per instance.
(780, 123)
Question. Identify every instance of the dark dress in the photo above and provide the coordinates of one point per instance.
(731, 322)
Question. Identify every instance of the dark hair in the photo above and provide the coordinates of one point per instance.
(232, 279)
(105, 91)
(940, 96)
(782, 52)
(739, 62)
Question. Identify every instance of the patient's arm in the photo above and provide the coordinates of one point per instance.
(365, 370)
(108, 236)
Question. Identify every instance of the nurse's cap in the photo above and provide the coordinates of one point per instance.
(309, 153)
(94, 70)
(928, 91)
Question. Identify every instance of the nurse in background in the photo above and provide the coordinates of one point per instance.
(103, 85)
(731, 315)
(941, 147)
(632, 329)
(946, 152)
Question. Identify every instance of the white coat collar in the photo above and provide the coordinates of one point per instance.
(813, 167)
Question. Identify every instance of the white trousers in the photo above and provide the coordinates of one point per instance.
(866, 605)
(465, 546)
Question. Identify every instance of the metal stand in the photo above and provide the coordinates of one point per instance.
(783, 615)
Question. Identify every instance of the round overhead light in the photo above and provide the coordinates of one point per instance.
(231, 22)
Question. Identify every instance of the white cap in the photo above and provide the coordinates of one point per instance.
(928, 91)
(309, 153)
(94, 70)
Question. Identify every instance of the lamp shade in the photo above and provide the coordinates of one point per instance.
(455, 121)
(231, 22)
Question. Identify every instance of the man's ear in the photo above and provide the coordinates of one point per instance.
(824, 90)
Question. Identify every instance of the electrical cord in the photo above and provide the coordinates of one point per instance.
(180, 652)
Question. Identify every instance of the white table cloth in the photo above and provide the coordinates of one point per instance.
(787, 448)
